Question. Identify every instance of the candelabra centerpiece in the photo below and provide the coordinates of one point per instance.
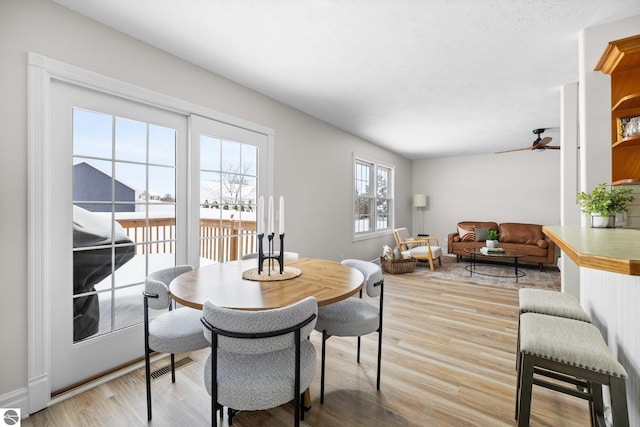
(271, 254)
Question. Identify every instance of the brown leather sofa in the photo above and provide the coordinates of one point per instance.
(525, 238)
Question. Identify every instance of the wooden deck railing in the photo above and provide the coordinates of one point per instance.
(220, 240)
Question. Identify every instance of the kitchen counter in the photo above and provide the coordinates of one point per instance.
(609, 262)
(616, 250)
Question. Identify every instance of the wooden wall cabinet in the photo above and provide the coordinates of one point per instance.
(621, 60)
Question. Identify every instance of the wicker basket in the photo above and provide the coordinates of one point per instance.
(398, 266)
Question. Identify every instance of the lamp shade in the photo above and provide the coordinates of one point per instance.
(419, 200)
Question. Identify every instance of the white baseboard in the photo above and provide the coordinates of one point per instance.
(16, 399)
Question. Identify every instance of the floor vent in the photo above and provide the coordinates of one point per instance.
(167, 368)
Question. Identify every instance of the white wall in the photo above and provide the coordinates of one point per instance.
(523, 186)
(312, 159)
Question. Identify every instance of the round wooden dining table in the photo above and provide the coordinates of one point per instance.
(223, 285)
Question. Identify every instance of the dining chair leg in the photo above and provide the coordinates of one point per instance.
(147, 351)
(173, 368)
(324, 341)
(358, 353)
(379, 357)
(147, 374)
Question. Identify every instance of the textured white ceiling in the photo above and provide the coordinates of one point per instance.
(424, 78)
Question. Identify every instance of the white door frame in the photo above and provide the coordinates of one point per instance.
(41, 71)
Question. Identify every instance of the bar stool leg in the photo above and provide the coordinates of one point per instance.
(526, 385)
(619, 409)
(596, 406)
(518, 361)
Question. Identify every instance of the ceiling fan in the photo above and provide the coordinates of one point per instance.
(539, 144)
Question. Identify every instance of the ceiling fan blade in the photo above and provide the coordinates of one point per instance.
(518, 149)
(542, 144)
(553, 147)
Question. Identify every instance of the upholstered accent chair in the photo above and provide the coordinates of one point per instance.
(354, 317)
(424, 248)
(259, 359)
(176, 331)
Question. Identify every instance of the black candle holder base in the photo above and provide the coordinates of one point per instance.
(270, 253)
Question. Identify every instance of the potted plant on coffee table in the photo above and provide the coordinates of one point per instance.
(492, 239)
(603, 204)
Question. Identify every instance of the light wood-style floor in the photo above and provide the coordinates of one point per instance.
(448, 360)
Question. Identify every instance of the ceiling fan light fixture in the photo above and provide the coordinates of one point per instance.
(540, 144)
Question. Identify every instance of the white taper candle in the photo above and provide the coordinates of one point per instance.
(281, 215)
(260, 225)
(271, 219)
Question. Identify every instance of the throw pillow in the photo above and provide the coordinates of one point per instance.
(467, 233)
(406, 255)
(410, 245)
(387, 252)
(481, 234)
(396, 253)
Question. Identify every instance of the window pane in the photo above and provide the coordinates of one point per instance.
(382, 214)
(363, 174)
(92, 182)
(210, 153)
(231, 159)
(92, 134)
(130, 182)
(209, 189)
(248, 190)
(383, 182)
(162, 145)
(131, 140)
(250, 159)
(162, 183)
(128, 306)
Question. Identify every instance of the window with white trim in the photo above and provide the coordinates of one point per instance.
(372, 197)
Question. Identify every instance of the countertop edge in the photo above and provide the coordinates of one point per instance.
(593, 260)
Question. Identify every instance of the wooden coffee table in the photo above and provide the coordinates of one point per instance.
(508, 254)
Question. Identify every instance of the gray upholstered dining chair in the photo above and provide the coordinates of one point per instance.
(354, 317)
(176, 331)
(259, 359)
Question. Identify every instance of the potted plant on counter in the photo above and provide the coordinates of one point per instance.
(492, 239)
(603, 204)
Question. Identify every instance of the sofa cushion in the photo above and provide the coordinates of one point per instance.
(466, 233)
(481, 233)
(528, 234)
(466, 229)
(527, 250)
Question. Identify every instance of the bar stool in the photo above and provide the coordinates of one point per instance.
(552, 303)
(573, 352)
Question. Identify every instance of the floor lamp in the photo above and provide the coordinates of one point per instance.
(420, 202)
